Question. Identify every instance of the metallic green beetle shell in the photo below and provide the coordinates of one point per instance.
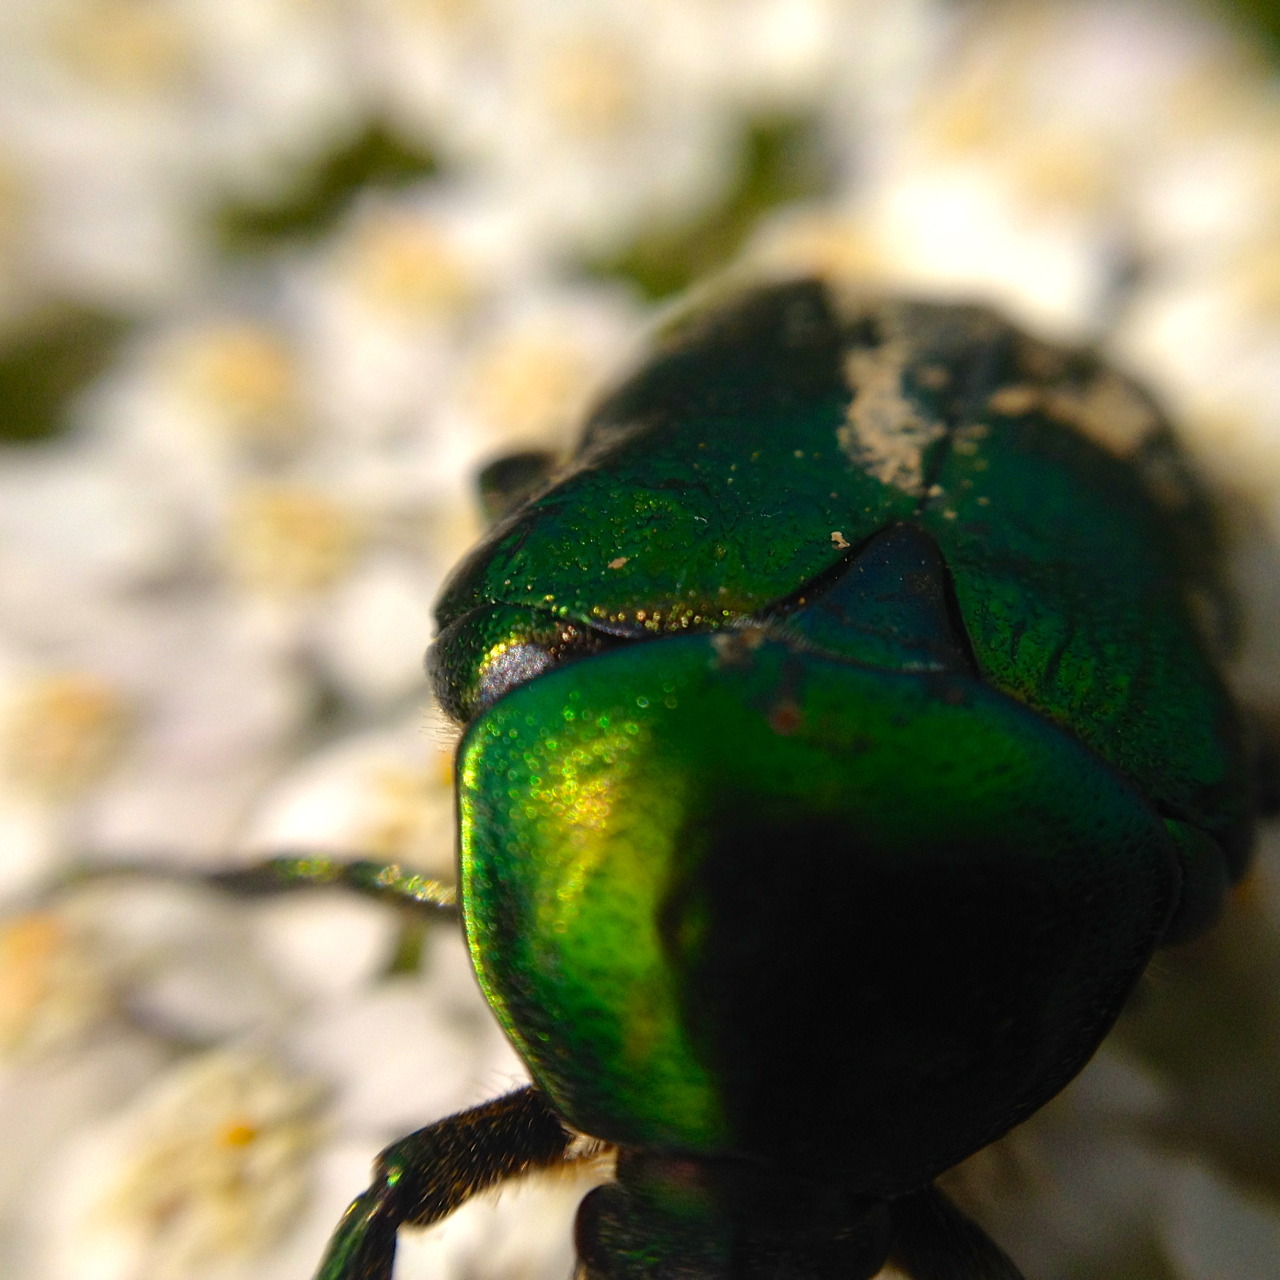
(843, 736)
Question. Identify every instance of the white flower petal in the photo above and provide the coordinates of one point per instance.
(1214, 1231)
(209, 1166)
(325, 944)
(384, 794)
(374, 633)
(397, 1062)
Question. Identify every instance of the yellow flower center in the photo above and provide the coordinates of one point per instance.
(52, 987)
(247, 375)
(29, 947)
(401, 264)
(125, 46)
(238, 1133)
(530, 385)
(217, 1166)
(287, 539)
(590, 87)
(62, 732)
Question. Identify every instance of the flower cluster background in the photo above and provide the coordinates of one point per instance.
(276, 278)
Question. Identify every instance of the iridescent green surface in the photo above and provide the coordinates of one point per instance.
(694, 886)
(844, 736)
(716, 481)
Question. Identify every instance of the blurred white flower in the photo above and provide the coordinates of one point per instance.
(523, 1232)
(184, 963)
(232, 382)
(81, 524)
(1209, 190)
(325, 945)
(210, 1165)
(1214, 1230)
(397, 1061)
(46, 1100)
(136, 117)
(384, 305)
(371, 640)
(54, 987)
(531, 373)
(1076, 1184)
(592, 121)
(385, 793)
(20, 286)
(425, 61)
(288, 538)
(765, 56)
(60, 730)
(138, 724)
(1207, 335)
(815, 239)
(1014, 175)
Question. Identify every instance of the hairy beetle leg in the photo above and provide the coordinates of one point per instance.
(423, 1178)
(934, 1240)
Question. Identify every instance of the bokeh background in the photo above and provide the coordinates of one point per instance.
(276, 277)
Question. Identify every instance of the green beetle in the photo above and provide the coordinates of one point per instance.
(843, 734)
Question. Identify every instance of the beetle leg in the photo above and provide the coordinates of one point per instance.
(426, 1176)
(385, 881)
(934, 1240)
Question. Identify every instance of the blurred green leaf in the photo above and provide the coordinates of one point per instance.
(1262, 15)
(410, 946)
(375, 158)
(781, 162)
(44, 365)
